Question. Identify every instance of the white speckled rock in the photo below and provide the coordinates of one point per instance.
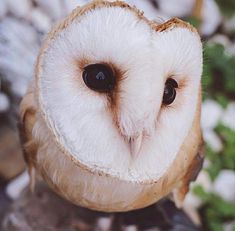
(213, 140)
(179, 8)
(148, 9)
(224, 185)
(229, 226)
(211, 114)
(229, 24)
(19, 8)
(104, 224)
(231, 49)
(211, 17)
(16, 186)
(14, 45)
(3, 8)
(228, 117)
(53, 8)
(72, 4)
(4, 102)
(40, 20)
(222, 39)
(130, 228)
(203, 179)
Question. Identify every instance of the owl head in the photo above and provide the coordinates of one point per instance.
(117, 107)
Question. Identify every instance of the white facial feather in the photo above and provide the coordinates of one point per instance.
(81, 118)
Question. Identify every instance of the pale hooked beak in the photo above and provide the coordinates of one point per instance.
(135, 145)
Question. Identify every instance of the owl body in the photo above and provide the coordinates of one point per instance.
(115, 143)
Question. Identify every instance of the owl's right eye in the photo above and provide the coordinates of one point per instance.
(169, 91)
(99, 77)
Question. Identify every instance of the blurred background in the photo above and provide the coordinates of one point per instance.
(23, 25)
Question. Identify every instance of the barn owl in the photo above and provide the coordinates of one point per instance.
(111, 119)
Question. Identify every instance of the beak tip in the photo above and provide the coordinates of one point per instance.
(135, 145)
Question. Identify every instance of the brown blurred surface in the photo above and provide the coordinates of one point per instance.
(11, 158)
(45, 211)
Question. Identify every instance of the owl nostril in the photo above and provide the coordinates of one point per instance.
(99, 77)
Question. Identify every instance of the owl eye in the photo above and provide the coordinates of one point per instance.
(99, 77)
(169, 91)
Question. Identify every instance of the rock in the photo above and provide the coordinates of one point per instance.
(104, 224)
(4, 102)
(17, 185)
(14, 44)
(211, 114)
(72, 4)
(172, 8)
(130, 228)
(213, 140)
(211, 17)
(19, 9)
(203, 180)
(192, 202)
(229, 226)
(11, 158)
(221, 39)
(53, 8)
(229, 24)
(231, 49)
(224, 185)
(228, 117)
(148, 9)
(40, 20)
(3, 8)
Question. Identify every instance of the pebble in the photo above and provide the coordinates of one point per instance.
(192, 200)
(229, 24)
(231, 49)
(148, 9)
(228, 117)
(179, 8)
(53, 8)
(104, 224)
(211, 17)
(4, 102)
(40, 20)
(21, 9)
(72, 4)
(229, 226)
(16, 186)
(211, 114)
(213, 140)
(130, 228)
(221, 39)
(224, 185)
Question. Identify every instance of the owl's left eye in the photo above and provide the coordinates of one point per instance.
(99, 77)
(169, 91)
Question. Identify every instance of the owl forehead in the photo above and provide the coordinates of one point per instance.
(111, 35)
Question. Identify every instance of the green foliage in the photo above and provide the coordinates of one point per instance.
(227, 7)
(215, 209)
(218, 83)
(218, 74)
(226, 158)
(193, 21)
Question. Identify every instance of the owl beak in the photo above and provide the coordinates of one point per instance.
(135, 145)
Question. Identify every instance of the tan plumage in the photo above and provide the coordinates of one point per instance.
(87, 185)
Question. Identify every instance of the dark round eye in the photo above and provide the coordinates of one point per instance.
(169, 91)
(99, 77)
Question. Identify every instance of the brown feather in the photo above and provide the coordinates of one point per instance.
(27, 120)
